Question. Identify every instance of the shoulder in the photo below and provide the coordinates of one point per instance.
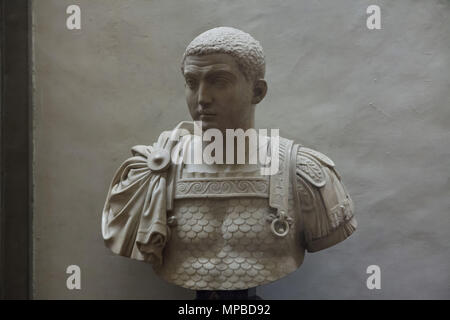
(167, 140)
(311, 164)
(324, 201)
(146, 150)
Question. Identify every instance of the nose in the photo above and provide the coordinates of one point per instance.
(204, 96)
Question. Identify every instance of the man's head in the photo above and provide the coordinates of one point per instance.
(224, 70)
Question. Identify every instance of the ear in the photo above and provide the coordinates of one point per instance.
(259, 91)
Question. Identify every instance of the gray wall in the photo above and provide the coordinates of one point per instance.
(375, 101)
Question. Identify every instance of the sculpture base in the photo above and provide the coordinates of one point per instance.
(248, 294)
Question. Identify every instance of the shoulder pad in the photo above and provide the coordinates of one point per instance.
(310, 169)
(317, 155)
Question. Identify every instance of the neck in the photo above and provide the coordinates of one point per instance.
(236, 148)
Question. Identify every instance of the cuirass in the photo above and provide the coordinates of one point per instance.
(221, 236)
(225, 227)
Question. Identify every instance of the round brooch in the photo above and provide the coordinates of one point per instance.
(158, 160)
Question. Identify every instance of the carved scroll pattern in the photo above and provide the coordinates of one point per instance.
(311, 169)
(222, 188)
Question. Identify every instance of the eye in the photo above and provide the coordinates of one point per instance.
(220, 81)
(191, 83)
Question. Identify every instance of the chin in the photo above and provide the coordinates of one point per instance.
(208, 125)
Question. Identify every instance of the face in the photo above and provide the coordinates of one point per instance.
(217, 93)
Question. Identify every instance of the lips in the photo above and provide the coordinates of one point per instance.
(205, 114)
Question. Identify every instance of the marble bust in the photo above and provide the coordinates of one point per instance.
(224, 224)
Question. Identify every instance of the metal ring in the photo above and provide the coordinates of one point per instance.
(275, 230)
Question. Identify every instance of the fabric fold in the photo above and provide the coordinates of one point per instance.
(134, 215)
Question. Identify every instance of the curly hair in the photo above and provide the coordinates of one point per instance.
(246, 51)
